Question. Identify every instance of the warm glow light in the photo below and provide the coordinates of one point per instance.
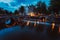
(31, 14)
(28, 23)
(43, 19)
(53, 25)
(59, 29)
(35, 24)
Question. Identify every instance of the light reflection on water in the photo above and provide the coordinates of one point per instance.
(8, 21)
(14, 29)
(18, 29)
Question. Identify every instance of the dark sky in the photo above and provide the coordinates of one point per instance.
(15, 4)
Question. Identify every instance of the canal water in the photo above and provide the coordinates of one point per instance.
(19, 33)
(26, 33)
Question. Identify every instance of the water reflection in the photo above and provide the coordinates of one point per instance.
(43, 29)
(53, 26)
(28, 22)
(59, 29)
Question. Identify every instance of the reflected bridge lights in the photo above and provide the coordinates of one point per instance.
(28, 22)
(53, 26)
(35, 24)
(43, 19)
(59, 29)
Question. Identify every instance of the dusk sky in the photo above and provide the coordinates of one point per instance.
(12, 5)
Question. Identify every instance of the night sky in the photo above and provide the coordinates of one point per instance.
(12, 5)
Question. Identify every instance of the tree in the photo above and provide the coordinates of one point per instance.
(2, 11)
(6, 12)
(43, 7)
(22, 10)
(39, 10)
(32, 8)
(16, 12)
(55, 4)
